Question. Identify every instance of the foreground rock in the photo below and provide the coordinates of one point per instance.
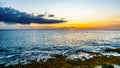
(107, 66)
(113, 50)
(61, 61)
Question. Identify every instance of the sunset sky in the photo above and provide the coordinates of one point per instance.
(79, 14)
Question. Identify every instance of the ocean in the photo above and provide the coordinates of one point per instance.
(26, 45)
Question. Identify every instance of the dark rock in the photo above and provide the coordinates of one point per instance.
(2, 66)
(113, 50)
(107, 66)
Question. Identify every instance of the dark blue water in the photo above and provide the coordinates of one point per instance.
(25, 45)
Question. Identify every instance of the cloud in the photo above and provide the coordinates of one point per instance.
(51, 15)
(115, 19)
(12, 16)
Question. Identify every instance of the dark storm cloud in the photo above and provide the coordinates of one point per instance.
(12, 16)
(51, 15)
(41, 15)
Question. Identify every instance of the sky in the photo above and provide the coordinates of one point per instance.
(78, 14)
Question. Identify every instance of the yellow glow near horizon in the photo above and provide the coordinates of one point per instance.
(78, 24)
(72, 24)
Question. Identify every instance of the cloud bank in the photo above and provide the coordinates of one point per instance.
(12, 16)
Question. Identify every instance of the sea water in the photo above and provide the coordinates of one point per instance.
(26, 45)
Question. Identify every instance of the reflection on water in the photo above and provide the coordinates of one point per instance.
(16, 45)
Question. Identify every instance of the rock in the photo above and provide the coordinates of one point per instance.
(107, 66)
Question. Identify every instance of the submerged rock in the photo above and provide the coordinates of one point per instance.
(3, 49)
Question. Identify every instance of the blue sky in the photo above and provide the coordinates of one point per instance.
(66, 8)
(77, 10)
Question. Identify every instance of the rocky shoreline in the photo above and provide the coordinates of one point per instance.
(61, 61)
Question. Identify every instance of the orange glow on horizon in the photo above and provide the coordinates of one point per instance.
(73, 24)
(76, 24)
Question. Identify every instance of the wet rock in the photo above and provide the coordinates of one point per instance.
(1, 66)
(113, 50)
(107, 66)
